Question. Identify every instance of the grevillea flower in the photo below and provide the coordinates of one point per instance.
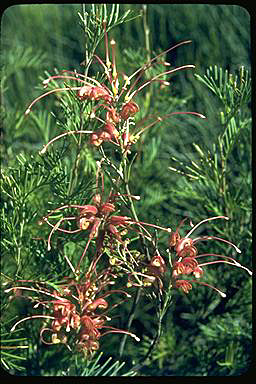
(115, 96)
(78, 310)
(187, 257)
(151, 274)
(99, 220)
(129, 110)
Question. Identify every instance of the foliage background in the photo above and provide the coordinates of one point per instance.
(203, 335)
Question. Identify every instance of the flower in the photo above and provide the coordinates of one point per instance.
(187, 258)
(129, 109)
(99, 221)
(78, 310)
(114, 95)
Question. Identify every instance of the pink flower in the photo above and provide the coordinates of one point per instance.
(186, 257)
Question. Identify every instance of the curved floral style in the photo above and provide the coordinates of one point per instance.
(78, 311)
(186, 257)
(117, 97)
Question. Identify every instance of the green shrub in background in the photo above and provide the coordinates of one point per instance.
(184, 167)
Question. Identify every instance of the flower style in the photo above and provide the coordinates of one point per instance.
(99, 220)
(78, 311)
(186, 258)
(116, 98)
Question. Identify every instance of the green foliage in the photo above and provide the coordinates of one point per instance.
(96, 367)
(12, 347)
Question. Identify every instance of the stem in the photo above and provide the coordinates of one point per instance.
(162, 313)
(147, 46)
(138, 292)
(130, 320)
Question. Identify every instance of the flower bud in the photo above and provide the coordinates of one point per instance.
(158, 261)
(174, 238)
(91, 209)
(198, 272)
(93, 345)
(183, 243)
(96, 199)
(98, 93)
(129, 109)
(129, 139)
(104, 136)
(95, 228)
(107, 208)
(55, 338)
(99, 303)
(112, 116)
(114, 231)
(111, 129)
(84, 92)
(119, 220)
(84, 223)
(95, 140)
(185, 285)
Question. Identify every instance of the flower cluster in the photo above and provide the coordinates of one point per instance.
(99, 222)
(151, 274)
(78, 311)
(187, 258)
(184, 262)
(116, 98)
